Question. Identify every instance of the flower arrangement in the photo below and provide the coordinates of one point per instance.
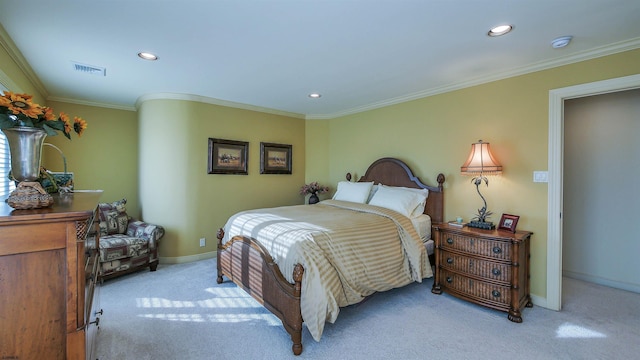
(313, 188)
(20, 110)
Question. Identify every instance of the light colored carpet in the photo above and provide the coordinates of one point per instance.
(180, 312)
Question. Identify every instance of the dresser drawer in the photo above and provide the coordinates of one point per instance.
(486, 269)
(474, 288)
(499, 250)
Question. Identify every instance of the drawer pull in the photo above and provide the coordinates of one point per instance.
(449, 241)
(449, 279)
(495, 293)
(496, 272)
(497, 250)
(449, 261)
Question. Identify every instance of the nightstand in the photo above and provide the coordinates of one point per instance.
(486, 267)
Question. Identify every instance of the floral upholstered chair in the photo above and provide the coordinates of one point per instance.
(126, 244)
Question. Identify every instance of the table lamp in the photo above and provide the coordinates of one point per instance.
(480, 163)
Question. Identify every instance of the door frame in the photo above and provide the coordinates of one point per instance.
(556, 161)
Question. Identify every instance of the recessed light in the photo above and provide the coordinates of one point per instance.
(500, 30)
(314, 95)
(147, 56)
(561, 42)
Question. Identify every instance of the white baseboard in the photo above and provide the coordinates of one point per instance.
(187, 259)
(602, 281)
(539, 301)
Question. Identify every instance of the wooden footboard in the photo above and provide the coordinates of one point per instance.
(248, 264)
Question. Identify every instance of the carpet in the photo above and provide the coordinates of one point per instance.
(180, 312)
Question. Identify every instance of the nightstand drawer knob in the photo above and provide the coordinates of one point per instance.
(449, 261)
(495, 293)
(449, 241)
(496, 271)
(449, 279)
(497, 250)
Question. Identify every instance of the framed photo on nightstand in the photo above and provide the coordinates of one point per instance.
(508, 222)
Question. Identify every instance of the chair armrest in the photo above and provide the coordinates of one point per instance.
(149, 232)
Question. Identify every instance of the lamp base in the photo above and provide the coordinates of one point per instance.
(487, 225)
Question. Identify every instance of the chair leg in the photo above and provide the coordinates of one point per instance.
(153, 265)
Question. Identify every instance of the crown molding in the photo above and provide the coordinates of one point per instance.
(213, 101)
(7, 43)
(91, 103)
(543, 65)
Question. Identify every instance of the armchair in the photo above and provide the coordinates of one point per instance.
(126, 244)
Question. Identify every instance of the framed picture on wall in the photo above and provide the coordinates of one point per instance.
(228, 157)
(275, 158)
(508, 222)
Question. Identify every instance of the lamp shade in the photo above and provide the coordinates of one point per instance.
(481, 161)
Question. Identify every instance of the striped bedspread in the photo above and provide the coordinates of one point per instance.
(348, 250)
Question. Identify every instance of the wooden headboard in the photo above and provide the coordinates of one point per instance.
(394, 172)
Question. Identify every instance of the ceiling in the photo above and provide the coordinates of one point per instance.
(270, 54)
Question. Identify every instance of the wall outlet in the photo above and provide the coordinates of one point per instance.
(202, 242)
(541, 176)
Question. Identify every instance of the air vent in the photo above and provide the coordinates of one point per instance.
(90, 69)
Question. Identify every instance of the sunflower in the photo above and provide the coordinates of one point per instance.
(19, 110)
(49, 115)
(67, 124)
(22, 104)
(79, 125)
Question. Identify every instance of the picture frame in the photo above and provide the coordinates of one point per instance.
(508, 222)
(275, 158)
(228, 157)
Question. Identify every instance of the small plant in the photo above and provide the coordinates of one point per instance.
(313, 188)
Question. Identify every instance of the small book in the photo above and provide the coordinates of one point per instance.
(456, 224)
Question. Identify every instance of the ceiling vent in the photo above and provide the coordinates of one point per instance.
(90, 69)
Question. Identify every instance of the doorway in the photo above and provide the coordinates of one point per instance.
(555, 163)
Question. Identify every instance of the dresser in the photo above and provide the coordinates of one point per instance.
(48, 279)
(486, 267)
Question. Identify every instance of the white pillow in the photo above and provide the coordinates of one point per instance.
(357, 192)
(374, 188)
(402, 201)
(424, 193)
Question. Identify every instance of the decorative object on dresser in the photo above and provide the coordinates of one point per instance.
(126, 244)
(480, 163)
(54, 182)
(49, 288)
(26, 125)
(313, 189)
(486, 267)
(275, 158)
(508, 222)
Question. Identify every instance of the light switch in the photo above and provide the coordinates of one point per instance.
(541, 176)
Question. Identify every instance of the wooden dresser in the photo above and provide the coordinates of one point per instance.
(486, 267)
(48, 278)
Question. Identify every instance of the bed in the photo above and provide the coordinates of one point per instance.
(304, 262)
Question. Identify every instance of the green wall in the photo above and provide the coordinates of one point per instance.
(176, 190)
(105, 157)
(434, 134)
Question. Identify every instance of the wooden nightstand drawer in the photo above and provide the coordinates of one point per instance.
(475, 288)
(473, 266)
(472, 245)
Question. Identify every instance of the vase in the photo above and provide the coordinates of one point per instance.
(313, 199)
(25, 147)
